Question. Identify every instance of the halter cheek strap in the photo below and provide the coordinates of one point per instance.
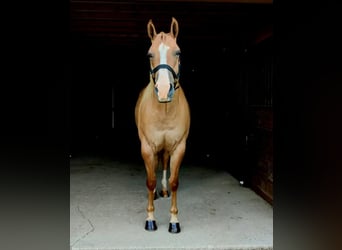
(166, 66)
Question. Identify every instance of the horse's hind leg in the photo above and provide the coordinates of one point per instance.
(165, 160)
(151, 161)
(176, 159)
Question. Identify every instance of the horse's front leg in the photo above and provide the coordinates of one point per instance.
(150, 160)
(175, 162)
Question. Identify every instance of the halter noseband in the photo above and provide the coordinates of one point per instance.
(166, 66)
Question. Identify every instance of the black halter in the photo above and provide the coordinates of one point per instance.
(166, 66)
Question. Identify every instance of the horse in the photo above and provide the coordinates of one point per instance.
(162, 118)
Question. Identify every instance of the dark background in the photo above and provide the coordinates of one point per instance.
(37, 86)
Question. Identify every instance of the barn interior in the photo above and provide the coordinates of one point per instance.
(227, 73)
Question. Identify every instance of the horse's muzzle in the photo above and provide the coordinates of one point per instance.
(164, 100)
(168, 97)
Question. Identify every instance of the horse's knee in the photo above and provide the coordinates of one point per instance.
(151, 184)
(173, 184)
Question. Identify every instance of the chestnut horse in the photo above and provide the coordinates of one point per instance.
(162, 117)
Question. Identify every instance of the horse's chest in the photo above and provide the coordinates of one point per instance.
(162, 128)
(164, 139)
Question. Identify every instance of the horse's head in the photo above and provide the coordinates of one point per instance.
(164, 59)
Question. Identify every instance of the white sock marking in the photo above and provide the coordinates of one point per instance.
(164, 181)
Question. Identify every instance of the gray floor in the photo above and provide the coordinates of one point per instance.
(108, 201)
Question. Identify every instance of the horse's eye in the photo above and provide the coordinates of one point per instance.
(178, 53)
(149, 55)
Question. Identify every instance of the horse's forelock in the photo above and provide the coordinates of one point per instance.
(162, 36)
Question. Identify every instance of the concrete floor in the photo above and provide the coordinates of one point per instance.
(108, 200)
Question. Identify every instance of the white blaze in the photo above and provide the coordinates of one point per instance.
(162, 52)
(163, 82)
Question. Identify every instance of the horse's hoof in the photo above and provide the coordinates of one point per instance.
(164, 194)
(174, 227)
(151, 225)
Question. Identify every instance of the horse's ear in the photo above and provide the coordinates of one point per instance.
(151, 30)
(174, 28)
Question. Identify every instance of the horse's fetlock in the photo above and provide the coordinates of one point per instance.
(150, 209)
(174, 211)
